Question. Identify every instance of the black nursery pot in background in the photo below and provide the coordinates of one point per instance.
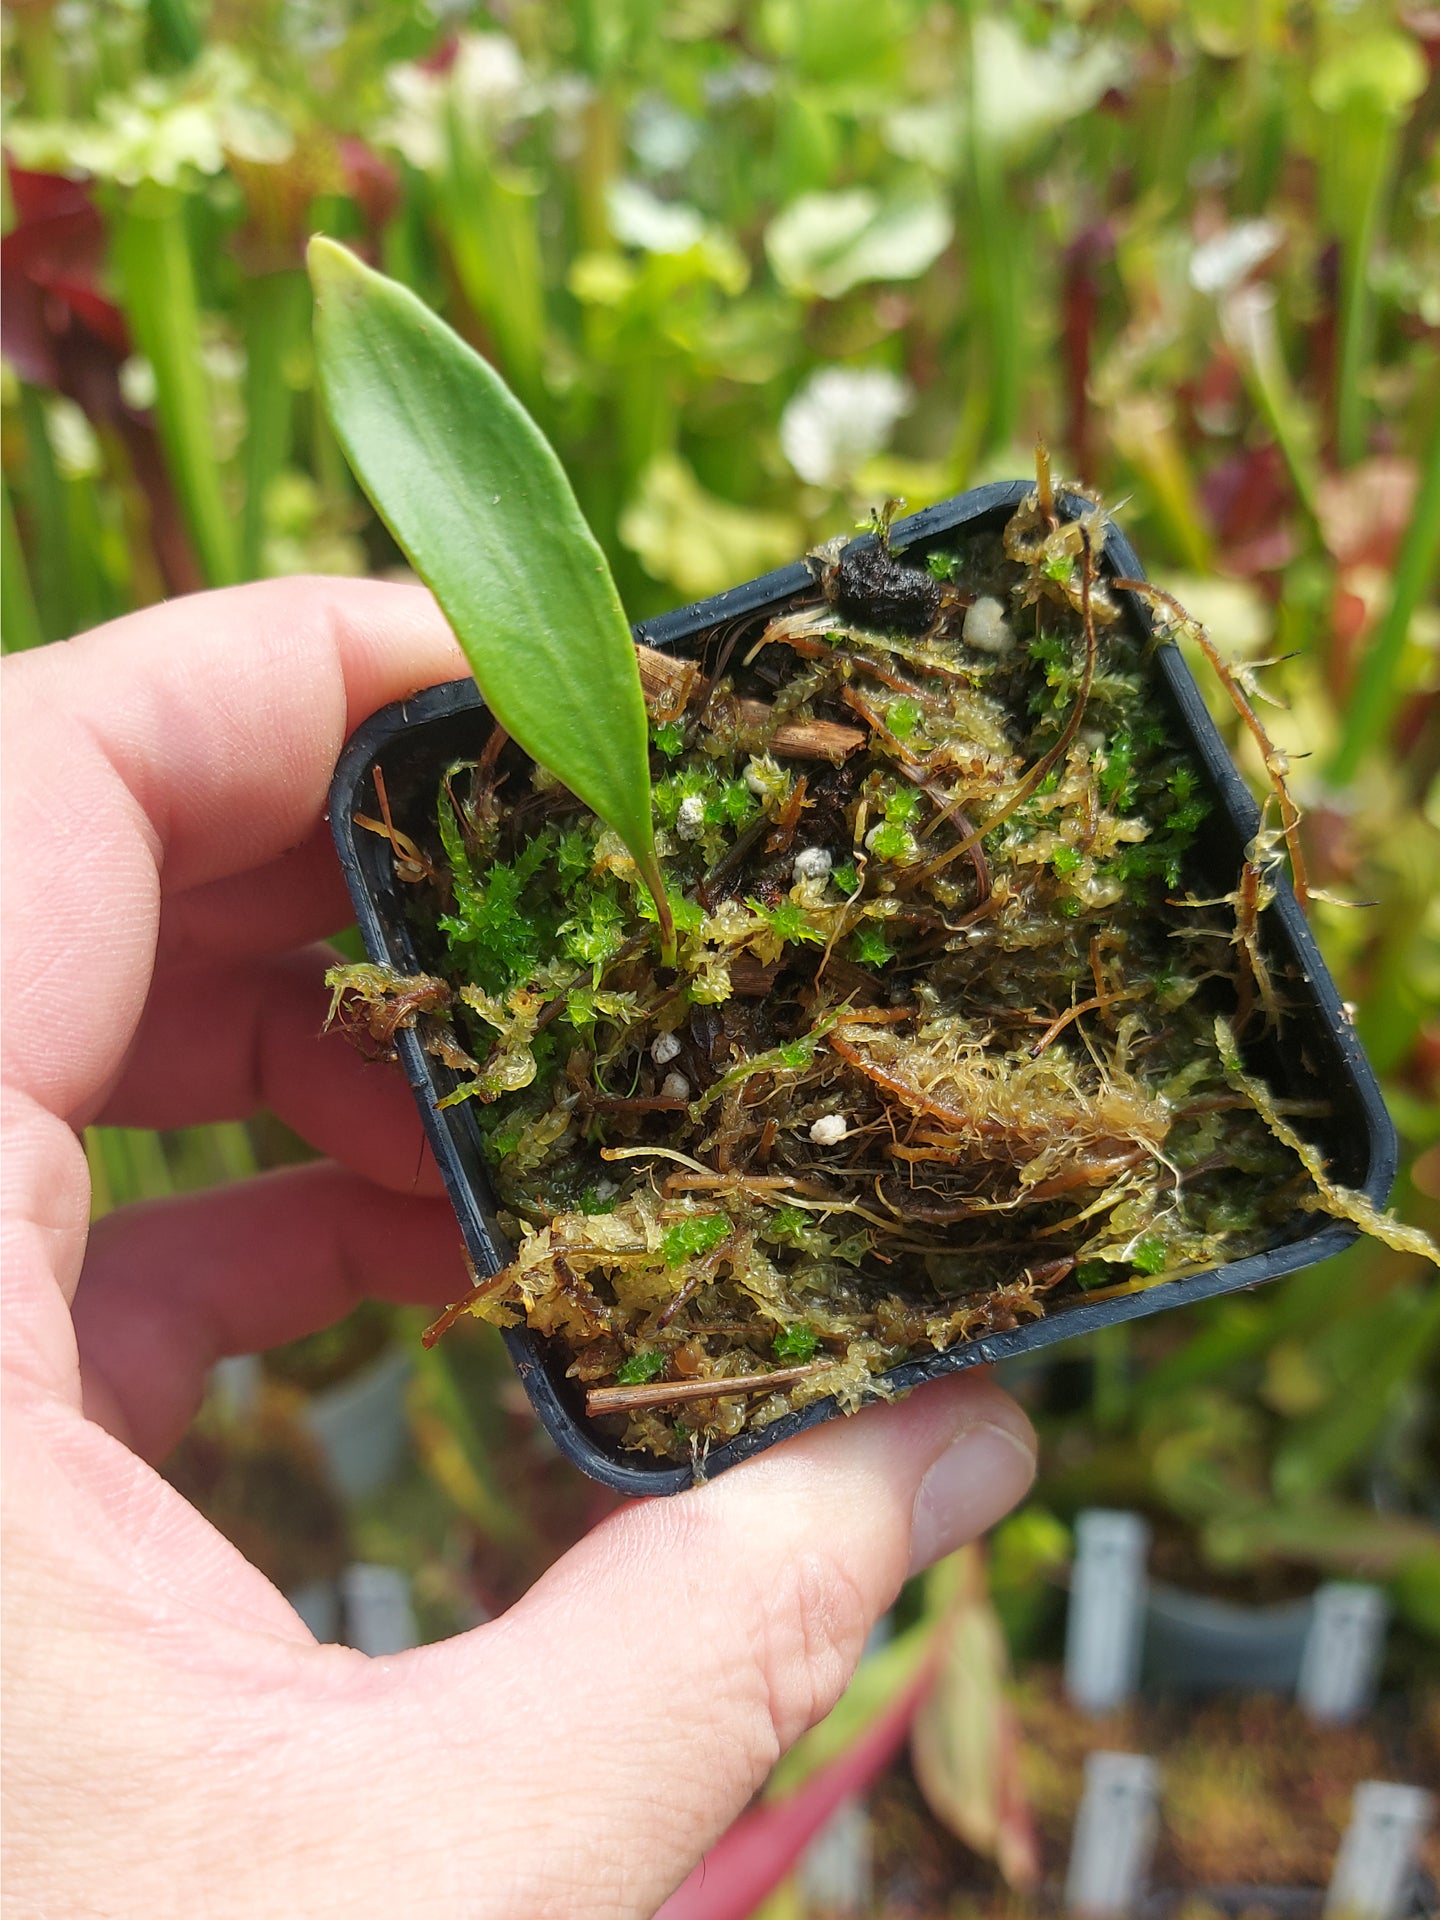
(1316, 1052)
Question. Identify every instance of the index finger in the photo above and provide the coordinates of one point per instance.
(171, 748)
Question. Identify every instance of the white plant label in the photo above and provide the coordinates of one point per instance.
(1343, 1650)
(237, 1382)
(1105, 1625)
(1115, 1832)
(1375, 1867)
(837, 1870)
(379, 1618)
(880, 1635)
(318, 1605)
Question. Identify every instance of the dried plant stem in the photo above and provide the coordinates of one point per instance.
(410, 863)
(804, 739)
(667, 1393)
(1059, 1024)
(486, 1289)
(1045, 484)
(666, 682)
(767, 1184)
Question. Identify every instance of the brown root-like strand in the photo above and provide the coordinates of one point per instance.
(1058, 1025)
(874, 1016)
(909, 1096)
(410, 863)
(767, 1184)
(487, 1289)
(666, 1393)
(619, 1103)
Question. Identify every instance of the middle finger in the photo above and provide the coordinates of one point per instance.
(223, 1042)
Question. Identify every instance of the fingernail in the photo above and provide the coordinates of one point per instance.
(982, 1474)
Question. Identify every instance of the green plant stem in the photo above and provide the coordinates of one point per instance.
(337, 485)
(137, 573)
(1110, 1361)
(1373, 702)
(152, 256)
(651, 874)
(1249, 323)
(997, 255)
(1261, 113)
(232, 1152)
(646, 424)
(1166, 139)
(997, 250)
(40, 62)
(97, 557)
(1145, 433)
(126, 1164)
(173, 24)
(1323, 1449)
(19, 616)
(45, 501)
(967, 441)
(1397, 1000)
(499, 1518)
(600, 159)
(490, 225)
(1371, 147)
(276, 309)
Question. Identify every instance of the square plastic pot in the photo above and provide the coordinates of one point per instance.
(1316, 1053)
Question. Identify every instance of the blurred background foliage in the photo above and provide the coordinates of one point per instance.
(755, 265)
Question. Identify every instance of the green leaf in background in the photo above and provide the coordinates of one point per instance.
(477, 500)
(684, 534)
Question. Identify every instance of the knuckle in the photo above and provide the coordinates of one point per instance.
(813, 1624)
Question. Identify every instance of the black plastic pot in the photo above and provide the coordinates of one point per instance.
(1317, 1052)
(1197, 1645)
(1275, 1903)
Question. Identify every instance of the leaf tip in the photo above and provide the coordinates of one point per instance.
(331, 266)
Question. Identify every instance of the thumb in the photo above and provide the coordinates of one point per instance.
(623, 1713)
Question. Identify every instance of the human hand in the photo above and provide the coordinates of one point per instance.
(175, 1741)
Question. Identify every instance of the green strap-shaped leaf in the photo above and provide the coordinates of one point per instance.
(481, 507)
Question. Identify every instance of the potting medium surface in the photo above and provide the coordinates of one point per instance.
(994, 1017)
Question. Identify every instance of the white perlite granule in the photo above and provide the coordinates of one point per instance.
(812, 863)
(986, 627)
